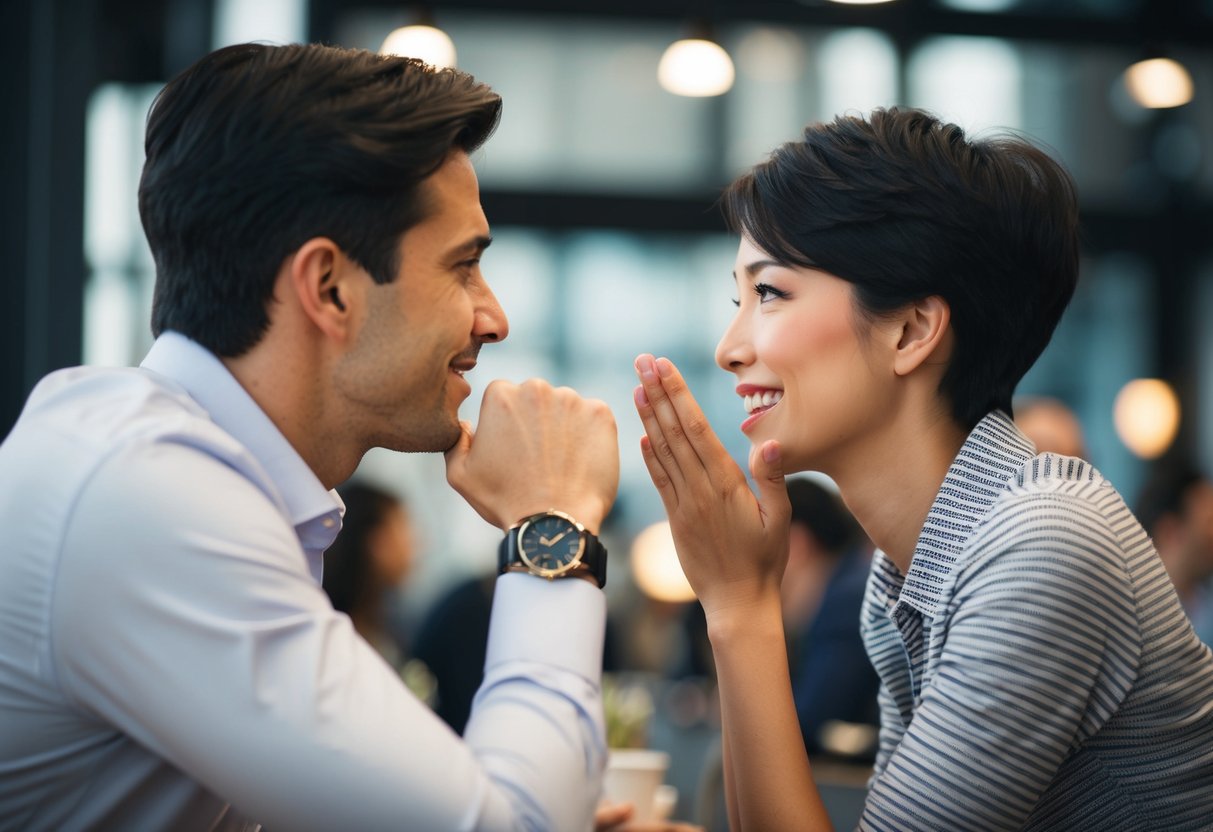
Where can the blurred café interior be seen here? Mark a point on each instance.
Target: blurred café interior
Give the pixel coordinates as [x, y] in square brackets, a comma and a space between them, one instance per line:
[622, 121]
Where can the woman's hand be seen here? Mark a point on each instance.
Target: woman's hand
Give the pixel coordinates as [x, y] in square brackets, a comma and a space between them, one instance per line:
[733, 547]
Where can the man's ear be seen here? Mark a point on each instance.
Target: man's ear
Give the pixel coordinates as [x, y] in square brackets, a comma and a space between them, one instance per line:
[320, 275]
[925, 335]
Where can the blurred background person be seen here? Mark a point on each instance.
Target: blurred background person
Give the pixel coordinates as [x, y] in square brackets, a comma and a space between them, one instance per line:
[452, 640]
[1051, 425]
[366, 566]
[1176, 509]
[823, 586]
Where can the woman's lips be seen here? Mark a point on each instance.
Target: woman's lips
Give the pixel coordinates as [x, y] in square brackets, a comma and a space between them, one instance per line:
[757, 401]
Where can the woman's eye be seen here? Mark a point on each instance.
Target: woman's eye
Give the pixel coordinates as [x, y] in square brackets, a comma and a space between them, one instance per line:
[766, 292]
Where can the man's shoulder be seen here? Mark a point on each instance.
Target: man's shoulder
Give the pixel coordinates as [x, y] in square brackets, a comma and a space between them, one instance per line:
[83, 419]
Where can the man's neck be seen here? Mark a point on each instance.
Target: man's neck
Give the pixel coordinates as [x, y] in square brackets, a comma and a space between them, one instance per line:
[288, 386]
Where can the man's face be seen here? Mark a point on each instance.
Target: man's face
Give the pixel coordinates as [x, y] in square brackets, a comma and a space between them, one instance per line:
[403, 376]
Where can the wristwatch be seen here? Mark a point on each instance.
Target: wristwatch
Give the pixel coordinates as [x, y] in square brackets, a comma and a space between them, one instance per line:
[552, 545]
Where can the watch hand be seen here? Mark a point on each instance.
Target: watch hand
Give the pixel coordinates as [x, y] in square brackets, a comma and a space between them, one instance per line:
[543, 541]
[555, 539]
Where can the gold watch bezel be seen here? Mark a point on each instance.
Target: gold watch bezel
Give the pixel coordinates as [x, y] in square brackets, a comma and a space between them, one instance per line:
[541, 571]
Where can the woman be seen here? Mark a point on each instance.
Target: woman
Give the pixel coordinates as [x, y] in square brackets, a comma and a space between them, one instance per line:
[368, 562]
[895, 281]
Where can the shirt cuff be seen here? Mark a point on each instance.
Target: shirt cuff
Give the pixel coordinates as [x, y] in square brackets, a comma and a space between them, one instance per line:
[560, 622]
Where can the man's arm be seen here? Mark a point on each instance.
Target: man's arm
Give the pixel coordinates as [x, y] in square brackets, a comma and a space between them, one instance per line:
[197, 630]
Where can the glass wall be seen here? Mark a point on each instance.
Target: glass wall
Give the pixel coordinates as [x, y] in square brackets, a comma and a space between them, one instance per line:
[584, 115]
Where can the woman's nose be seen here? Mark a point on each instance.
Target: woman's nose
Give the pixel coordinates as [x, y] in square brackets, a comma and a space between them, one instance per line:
[735, 349]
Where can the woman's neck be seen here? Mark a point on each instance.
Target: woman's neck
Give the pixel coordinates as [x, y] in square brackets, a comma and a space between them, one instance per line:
[891, 483]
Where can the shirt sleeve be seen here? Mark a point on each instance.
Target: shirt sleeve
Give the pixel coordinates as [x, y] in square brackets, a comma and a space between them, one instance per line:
[186, 618]
[1042, 646]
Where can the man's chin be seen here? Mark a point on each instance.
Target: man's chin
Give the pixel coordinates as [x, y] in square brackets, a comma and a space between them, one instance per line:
[437, 439]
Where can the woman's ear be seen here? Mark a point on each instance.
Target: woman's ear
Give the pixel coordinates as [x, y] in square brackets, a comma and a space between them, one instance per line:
[926, 335]
[320, 276]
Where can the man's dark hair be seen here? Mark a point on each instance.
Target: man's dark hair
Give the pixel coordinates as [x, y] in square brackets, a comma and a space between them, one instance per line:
[255, 149]
[903, 207]
[823, 513]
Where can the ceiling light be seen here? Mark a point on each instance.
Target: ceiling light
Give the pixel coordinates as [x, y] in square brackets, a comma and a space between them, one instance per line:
[1146, 415]
[696, 67]
[1159, 83]
[426, 43]
[655, 566]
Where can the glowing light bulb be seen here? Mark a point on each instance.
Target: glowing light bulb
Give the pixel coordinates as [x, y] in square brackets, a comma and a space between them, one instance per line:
[1146, 415]
[696, 68]
[1159, 83]
[426, 43]
[655, 566]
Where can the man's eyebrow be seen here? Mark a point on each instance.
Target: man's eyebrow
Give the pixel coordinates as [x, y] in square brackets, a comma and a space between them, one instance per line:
[476, 245]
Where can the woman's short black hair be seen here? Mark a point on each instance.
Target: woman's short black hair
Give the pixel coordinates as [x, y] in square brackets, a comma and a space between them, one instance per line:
[255, 149]
[904, 207]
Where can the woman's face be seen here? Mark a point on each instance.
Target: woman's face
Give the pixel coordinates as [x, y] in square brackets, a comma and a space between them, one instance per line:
[808, 369]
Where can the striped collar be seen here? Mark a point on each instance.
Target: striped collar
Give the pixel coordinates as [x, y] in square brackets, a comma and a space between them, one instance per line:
[992, 454]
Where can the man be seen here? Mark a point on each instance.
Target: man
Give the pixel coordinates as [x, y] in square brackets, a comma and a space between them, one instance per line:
[1176, 508]
[822, 592]
[1051, 425]
[166, 648]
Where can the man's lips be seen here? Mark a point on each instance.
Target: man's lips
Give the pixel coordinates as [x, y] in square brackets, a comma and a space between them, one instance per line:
[465, 362]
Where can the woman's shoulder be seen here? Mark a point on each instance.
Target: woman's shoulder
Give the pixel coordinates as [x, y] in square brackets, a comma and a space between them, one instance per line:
[1062, 506]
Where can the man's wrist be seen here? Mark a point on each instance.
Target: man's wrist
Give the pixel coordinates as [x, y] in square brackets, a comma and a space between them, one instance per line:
[588, 515]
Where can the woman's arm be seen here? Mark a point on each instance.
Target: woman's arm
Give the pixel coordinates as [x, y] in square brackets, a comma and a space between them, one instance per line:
[733, 549]
[772, 786]
[730, 784]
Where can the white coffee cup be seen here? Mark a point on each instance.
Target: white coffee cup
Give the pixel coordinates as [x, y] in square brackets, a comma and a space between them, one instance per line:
[635, 775]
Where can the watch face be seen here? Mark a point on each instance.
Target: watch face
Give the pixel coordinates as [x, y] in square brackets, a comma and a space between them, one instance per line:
[550, 544]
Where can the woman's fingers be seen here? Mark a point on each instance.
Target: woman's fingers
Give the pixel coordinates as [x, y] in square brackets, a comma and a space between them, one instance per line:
[665, 488]
[685, 428]
[657, 446]
[695, 427]
[673, 440]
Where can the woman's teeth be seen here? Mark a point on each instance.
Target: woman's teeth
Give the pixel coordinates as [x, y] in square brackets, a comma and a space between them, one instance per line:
[760, 401]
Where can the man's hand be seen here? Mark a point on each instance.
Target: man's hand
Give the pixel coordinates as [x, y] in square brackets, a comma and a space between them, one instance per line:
[537, 447]
[614, 817]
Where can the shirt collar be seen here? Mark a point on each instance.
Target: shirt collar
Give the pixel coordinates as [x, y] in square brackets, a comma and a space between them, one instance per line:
[994, 452]
[312, 508]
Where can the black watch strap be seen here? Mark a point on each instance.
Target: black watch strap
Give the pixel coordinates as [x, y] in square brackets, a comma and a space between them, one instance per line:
[593, 559]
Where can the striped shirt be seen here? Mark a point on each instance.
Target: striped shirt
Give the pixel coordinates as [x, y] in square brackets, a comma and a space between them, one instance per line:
[1037, 670]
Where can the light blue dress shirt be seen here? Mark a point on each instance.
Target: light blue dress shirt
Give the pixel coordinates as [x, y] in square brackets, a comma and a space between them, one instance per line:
[166, 648]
